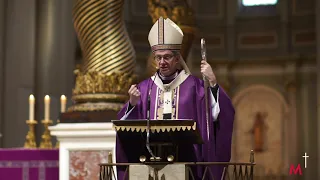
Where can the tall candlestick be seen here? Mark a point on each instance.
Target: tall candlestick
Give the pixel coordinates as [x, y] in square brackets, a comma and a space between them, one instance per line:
[46, 107]
[63, 101]
[31, 107]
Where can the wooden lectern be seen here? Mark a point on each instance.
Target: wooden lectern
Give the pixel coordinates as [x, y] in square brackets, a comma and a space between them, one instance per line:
[158, 143]
[158, 140]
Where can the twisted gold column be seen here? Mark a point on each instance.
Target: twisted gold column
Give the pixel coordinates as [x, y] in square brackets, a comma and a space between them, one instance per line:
[180, 13]
[103, 80]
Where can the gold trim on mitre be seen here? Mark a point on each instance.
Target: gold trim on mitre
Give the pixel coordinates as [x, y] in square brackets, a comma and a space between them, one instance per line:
[165, 34]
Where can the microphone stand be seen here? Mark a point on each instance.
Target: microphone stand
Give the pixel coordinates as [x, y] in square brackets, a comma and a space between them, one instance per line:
[148, 124]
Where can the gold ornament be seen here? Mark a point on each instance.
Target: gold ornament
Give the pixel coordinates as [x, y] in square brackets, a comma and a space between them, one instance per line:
[57, 143]
[30, 138]
[178, 11]
[46, 136]
[101, 106]
[110, 157]
[108, 56]
[97, 86]
[96, 91]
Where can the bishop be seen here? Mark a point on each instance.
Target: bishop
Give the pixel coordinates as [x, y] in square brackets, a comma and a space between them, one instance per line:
[175, 93]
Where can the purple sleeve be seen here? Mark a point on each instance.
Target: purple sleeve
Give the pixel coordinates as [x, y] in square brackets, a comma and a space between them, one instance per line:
[218, 147]
[224, 127]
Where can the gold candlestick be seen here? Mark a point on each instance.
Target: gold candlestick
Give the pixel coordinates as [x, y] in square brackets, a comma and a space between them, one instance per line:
[31, 138]
[57, 144]
[46, 136]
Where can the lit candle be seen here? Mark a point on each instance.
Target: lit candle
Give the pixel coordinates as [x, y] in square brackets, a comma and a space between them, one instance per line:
[31, 107]
[46, 107]
[63, 102]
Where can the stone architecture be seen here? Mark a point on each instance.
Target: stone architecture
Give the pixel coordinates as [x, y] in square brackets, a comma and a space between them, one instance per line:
[267, 58]
[83, 164]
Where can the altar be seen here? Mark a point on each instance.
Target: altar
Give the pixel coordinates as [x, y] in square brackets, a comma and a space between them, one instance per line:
[83, 146]
[29, 164]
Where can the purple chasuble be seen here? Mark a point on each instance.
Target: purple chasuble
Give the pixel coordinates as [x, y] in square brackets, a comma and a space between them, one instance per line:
[187, 103]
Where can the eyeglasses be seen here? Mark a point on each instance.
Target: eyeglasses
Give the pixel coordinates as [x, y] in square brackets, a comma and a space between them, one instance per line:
[166, 57]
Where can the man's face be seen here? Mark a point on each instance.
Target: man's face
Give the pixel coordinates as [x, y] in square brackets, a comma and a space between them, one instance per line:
[166, 61]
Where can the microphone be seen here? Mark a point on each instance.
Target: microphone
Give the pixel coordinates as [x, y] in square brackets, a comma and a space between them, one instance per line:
[148, 119]
[149, 94]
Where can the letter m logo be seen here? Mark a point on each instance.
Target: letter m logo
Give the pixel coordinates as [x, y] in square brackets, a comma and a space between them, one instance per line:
[295, 170]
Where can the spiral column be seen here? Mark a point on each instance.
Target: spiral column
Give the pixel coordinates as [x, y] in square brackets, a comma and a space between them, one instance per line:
[107, 70]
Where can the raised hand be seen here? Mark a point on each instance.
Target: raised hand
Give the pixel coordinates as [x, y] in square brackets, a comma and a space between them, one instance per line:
[207, 71]
[134, 94]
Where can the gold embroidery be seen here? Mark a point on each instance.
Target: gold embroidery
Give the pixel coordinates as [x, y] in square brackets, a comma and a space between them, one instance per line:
[161, 98]
[160, 113]
[174, 103]
[166, 88]
[161, 30]
[166, 47]
[160, 105]
[177, 102]
[173, 113]
[174, 84]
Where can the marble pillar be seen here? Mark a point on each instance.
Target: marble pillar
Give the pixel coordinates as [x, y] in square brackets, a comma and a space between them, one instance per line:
[312, 138]
[318, 76]
[291, 126]
[231, 33]
[18, 68]
[231, 46]
[223, 77]
[55, 56]
[306, 115]
[284, 26]
[2, 37]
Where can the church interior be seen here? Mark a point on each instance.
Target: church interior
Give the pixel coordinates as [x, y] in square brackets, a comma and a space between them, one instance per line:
[66, 67]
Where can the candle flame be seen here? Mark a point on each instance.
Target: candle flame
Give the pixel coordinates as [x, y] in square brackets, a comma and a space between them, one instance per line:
[47, 97]
[63, 97]
[31, 97]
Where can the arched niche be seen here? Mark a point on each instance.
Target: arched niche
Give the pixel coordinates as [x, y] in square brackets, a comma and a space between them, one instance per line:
[273, 109]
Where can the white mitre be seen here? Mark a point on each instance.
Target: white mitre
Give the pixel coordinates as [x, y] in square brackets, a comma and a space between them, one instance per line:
[166, 35]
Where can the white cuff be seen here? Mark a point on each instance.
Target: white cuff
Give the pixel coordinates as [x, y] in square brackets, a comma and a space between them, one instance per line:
[215, 108]
[125, 116]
